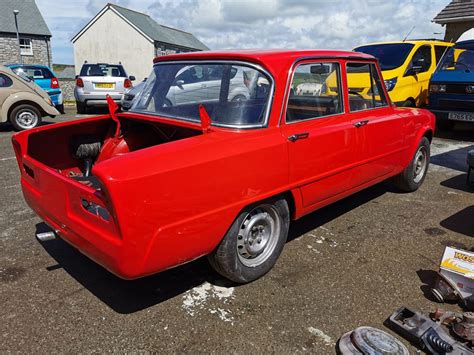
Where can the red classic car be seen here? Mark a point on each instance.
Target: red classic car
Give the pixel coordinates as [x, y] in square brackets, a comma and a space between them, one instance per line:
[192, 170]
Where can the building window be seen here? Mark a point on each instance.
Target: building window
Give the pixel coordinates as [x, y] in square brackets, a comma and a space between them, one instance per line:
[26, 46]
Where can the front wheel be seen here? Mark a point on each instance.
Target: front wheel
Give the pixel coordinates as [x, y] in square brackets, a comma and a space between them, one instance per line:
[253, 243]
[24, 117]
[413, 176]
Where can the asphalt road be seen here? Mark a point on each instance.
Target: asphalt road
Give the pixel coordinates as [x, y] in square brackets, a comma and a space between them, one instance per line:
[347, 265]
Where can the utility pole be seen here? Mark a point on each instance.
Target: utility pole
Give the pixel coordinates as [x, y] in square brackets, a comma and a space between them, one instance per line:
[16, 12]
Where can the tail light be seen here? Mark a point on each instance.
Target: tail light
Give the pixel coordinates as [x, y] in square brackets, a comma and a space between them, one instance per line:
[127, 84]
[79, 83]
[54, 83]
[18, 153]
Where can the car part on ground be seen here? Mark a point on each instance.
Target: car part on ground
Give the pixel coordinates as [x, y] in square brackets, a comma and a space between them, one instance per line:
[454, 281]
[370, 341]
[470, 168]
[22, 102]
[425, 333]
[97, 80]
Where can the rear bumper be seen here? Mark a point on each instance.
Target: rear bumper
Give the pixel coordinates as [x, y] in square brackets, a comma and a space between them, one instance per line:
[97, 99]
[443, 115]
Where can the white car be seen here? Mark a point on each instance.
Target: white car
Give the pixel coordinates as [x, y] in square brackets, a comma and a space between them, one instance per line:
[96, 81]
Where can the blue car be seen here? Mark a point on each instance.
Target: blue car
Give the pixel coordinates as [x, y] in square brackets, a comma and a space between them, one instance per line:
[45, 78]
[451, 90]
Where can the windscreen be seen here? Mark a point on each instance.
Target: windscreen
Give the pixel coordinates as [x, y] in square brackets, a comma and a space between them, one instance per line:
[390, 55]
[234, 95]
[102, 70]
[458, 58]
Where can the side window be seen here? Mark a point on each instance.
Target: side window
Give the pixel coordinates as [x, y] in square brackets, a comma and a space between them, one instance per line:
[439, 52]
[422, 57]
[315, 92]
[365, 87]
[191, 75]
[5, 81]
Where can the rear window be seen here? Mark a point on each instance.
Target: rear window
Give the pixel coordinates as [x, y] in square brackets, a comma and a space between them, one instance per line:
[34, 73]
[102, 70]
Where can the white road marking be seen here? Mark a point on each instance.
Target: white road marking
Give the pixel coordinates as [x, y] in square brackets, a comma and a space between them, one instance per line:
[9, 158]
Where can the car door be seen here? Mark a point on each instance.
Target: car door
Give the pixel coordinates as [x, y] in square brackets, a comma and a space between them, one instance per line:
[419, 72]
[321, 139]
[379, 128]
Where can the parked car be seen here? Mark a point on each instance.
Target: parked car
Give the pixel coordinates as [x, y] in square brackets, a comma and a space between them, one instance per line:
[407, 67]
[199, 85]
[96, 81]
[130, 94]
[46, 80]
[22, 102]
[222, 178]
[452, 86]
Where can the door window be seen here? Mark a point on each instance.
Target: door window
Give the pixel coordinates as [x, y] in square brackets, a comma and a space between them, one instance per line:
[315, 92]
[365, 87]
[422, 57]
[5, 81]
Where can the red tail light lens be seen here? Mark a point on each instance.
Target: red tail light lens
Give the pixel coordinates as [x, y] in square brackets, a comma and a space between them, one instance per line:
[54, 83]
[79, 83]
[127, 84]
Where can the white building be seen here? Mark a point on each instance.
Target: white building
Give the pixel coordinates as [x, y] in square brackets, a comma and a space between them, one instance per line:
[117, 34]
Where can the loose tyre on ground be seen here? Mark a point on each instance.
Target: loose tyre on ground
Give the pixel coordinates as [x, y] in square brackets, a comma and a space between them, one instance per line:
[254, 242]
[25, 116]
[413, 176]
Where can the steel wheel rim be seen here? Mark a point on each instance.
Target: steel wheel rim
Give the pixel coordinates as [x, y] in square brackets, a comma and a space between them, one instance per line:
[258, 235]
[420, 164]
[27, 119]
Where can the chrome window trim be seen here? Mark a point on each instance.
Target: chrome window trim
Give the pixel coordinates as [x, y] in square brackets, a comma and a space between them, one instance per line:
[233, 62]
[340, 93]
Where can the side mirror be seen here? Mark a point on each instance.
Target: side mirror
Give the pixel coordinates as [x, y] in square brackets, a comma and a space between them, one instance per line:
[132, 78]
[179, 83]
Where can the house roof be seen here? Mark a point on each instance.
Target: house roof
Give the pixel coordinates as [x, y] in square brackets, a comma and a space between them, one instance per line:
[456, 11]
[151, 29]
[30, 20]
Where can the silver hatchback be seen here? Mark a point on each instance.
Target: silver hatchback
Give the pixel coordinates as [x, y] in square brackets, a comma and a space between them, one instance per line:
[96, 81]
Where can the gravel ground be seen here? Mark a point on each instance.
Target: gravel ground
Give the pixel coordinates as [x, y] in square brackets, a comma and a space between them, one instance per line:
[350, 264]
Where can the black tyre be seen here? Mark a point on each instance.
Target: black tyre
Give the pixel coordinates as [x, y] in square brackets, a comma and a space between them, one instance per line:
[239, 98]
[24, 117]
[60, 108]
[444, 125]
[408, 103]
[414, 175]
[81, 107]
[254, 242]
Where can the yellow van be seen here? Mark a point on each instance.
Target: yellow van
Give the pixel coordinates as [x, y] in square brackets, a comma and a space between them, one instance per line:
[407, 67]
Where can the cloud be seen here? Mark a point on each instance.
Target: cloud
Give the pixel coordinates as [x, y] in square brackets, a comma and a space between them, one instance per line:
[224, 24]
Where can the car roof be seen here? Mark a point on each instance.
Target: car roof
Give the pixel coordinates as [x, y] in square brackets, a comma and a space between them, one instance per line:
[27, 66]
[410, 41]
[272, 59]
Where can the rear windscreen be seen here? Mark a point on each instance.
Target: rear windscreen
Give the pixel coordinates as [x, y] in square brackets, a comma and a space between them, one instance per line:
[102, 70]
[34, 73]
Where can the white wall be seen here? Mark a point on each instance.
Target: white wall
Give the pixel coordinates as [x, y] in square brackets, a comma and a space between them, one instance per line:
[111, 40]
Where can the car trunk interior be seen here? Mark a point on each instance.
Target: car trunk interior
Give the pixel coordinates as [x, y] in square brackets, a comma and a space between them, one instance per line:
[72, 150]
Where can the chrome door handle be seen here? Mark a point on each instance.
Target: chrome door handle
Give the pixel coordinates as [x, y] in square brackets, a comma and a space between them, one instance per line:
[295, 137]
[361, 123]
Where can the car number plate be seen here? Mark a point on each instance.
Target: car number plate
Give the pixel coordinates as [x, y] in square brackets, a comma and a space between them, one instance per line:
[105, 85]
[461, 116]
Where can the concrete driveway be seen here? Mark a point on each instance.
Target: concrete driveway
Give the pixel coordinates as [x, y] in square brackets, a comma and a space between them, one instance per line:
[350, 264]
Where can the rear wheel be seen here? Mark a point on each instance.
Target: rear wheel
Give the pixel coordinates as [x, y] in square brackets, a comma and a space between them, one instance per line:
[414, 175]
[60, 108]
[81, 107]
[239, 98]
[253, 243]
[25, 117]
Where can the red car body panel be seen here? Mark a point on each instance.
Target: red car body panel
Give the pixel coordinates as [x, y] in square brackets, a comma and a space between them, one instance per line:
[172, 203]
